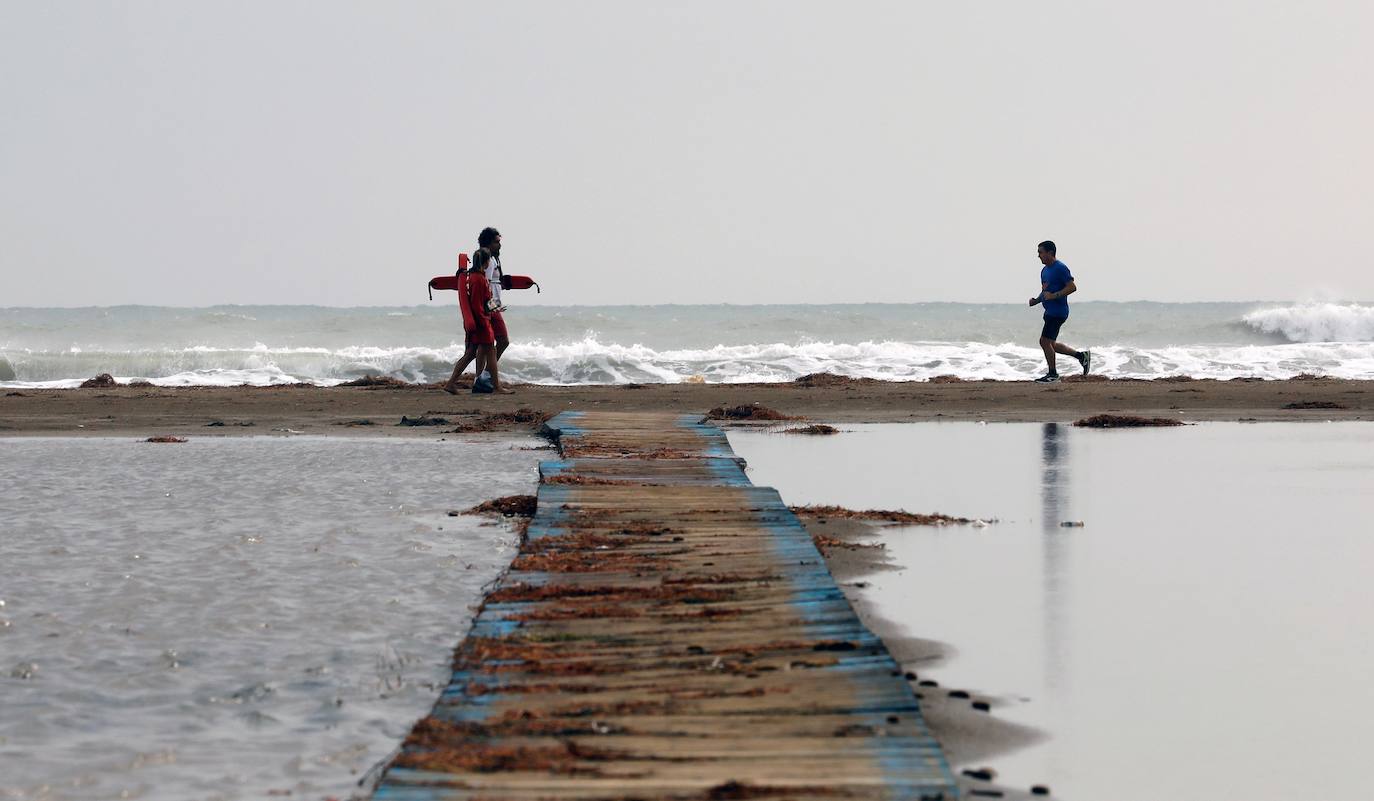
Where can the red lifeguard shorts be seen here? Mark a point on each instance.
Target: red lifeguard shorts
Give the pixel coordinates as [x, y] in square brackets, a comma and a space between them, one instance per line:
[480, 335]
[498, 326]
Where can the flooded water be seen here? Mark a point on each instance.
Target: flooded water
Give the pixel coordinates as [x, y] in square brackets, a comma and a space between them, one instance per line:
[233, 618]
[1207, 633]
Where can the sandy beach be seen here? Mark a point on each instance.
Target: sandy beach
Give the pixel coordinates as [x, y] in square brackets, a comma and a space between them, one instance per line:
[183, 411]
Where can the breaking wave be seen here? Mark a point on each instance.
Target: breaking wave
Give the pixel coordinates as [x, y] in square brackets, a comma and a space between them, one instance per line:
[590, 361]
[1316, 322]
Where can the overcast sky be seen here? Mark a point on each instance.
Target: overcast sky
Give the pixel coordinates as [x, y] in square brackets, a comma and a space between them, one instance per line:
[341, 153]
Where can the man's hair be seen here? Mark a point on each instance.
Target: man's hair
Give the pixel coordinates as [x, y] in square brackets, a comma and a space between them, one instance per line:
[1048, 247]
[487, 236]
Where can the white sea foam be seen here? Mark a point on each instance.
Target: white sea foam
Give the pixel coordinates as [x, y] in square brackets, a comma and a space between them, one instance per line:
[591, 361]
[1316, 322]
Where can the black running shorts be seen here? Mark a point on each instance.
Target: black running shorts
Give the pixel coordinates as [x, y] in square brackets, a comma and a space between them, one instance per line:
[1051, 329]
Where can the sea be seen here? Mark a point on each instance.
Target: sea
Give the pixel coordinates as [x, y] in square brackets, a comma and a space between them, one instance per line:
[570, 345]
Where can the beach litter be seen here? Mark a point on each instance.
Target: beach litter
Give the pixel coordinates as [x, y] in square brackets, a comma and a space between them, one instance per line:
[1317, 404]
[1125, 421]
[1071, 524]
[102, 381]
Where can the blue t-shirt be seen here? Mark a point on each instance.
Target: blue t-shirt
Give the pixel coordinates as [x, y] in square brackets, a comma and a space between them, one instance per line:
[1055, 277]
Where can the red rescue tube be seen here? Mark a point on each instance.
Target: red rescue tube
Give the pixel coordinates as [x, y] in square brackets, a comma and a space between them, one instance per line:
[448, 281]
[519, 282]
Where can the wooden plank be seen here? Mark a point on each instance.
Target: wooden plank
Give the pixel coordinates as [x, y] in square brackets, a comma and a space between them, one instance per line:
[667, 631]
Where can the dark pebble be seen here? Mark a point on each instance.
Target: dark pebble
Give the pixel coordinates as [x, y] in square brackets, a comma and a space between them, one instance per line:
[893, 719]
[909, 675]
[982, 706]
[958, 694]
[1040, 789]
[981, 774]
[929, 683]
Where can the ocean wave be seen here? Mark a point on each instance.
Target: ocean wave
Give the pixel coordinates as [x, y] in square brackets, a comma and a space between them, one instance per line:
[1316, 322]
[590, 361]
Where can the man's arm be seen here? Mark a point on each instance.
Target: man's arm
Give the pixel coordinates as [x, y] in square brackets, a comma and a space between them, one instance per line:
[1068, 289]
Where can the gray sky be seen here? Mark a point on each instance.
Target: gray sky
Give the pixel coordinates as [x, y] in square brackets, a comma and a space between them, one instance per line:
[341, 153]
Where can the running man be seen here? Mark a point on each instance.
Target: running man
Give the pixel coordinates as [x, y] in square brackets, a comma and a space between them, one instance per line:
[1056, 284]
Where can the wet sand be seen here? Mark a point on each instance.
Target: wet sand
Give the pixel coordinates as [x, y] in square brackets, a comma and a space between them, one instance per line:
[150, 411]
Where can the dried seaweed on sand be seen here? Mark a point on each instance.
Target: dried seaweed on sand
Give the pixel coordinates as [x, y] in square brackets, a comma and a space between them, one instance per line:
[746, 411]
[510, 506]
[1125, 421]
[1313, 404]
[879, 515]
[815, 429]
[375, 381]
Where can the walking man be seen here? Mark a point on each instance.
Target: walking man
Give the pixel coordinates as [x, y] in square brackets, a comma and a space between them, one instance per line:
[490, 239]
[1056, 284]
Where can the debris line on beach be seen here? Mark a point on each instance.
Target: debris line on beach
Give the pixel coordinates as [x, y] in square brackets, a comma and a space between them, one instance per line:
[815, 429]
[422, 420]
[501, 421]
[509, 506]
[375, 381]
[102, 381]
[1125, 421]
[1313, 404]
[165, 439]
[880, 515]
[746, 411]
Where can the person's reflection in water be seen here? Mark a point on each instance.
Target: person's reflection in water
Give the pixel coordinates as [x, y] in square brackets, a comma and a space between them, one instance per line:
[1055, 544]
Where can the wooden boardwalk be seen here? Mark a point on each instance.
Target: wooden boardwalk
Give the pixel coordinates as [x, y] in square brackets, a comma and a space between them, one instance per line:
[669, 631]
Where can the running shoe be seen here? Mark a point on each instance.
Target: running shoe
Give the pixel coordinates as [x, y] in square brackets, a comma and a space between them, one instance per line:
[1048, 378]
[1085, 358]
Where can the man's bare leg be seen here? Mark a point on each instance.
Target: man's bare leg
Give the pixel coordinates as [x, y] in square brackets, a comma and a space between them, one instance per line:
[494, 368]
[1048, 346]
[1059, 347]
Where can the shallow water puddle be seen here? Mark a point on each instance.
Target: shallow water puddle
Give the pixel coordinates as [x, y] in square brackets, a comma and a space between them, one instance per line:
[233, 618]
[1205, 633]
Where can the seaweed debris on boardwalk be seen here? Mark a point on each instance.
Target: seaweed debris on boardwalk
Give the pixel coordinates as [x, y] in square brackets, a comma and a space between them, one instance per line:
[1126, 421]
[660, 639]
